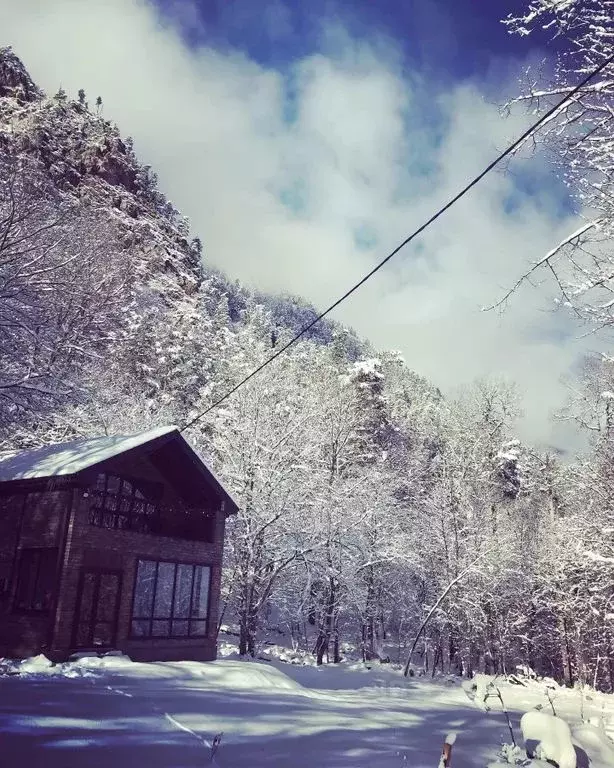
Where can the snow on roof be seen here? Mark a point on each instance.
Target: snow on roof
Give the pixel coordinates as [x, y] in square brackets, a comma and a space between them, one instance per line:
[72, 457]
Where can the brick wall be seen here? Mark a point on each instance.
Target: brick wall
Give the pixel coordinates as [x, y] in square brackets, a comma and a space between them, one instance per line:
[90, 547]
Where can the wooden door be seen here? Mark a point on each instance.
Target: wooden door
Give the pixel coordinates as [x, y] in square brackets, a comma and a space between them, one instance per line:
[97, 608]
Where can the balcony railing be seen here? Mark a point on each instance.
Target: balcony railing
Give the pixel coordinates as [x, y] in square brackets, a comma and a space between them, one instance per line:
[144, 517]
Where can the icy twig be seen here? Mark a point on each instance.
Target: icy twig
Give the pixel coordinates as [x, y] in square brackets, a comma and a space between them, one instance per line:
[505, 712]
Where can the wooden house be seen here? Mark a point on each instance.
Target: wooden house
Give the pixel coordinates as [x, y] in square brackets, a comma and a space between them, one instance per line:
[111, 543]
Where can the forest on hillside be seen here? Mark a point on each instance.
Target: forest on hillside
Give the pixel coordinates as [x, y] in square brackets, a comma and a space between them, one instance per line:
[374, 512]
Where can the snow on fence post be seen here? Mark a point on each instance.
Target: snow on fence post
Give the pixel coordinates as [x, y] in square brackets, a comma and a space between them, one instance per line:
[445, 760]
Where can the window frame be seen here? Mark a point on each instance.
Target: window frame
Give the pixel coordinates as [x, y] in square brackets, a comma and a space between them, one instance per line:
[40, 553]
[150, 498]
[171, 617]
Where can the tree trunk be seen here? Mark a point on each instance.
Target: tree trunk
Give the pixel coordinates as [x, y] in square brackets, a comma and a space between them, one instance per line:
[336, 654]
[368, 628]
[566, 655]
[325, 628]
[453, 652]
[243, 636]
[321, 646]
[436, 659]
[248, 624]
[610, 662]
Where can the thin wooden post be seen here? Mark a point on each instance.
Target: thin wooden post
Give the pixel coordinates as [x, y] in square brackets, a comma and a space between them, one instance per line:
[215, 746]
[446, 756]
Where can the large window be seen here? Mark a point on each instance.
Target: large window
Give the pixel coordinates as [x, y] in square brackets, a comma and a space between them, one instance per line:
[133, 505]
[118, 503]
[170, 600]
[36, 579]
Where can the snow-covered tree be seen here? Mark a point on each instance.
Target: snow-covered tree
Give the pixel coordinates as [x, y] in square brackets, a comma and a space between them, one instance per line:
[263, 443]
[579, 140]
[376, 515]
[62, 286]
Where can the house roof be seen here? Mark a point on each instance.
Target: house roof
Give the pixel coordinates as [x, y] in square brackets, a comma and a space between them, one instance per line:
[64, 459]
[72, 457]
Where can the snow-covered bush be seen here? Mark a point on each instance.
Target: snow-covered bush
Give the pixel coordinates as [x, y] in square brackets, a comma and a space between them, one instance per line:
[548, 737]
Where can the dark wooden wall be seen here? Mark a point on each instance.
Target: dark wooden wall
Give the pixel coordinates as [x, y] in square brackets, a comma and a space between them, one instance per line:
[34, 519]
[60, 518]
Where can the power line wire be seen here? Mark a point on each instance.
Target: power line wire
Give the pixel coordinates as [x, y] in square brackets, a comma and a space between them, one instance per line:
[405, 242]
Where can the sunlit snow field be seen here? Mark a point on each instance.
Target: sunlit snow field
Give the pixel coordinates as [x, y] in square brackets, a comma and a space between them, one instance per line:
[112, 712]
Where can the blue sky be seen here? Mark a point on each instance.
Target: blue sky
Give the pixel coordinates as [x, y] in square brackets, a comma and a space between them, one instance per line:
[436, 44]
[443, 39]
[306, 139]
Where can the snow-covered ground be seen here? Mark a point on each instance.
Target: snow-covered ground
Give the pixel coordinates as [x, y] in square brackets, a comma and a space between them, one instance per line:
[112, 712]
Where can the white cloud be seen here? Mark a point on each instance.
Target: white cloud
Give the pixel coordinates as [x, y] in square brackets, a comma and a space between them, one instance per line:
[212, 125]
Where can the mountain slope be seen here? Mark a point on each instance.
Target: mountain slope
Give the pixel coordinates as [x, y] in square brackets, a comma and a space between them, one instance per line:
[75, 160]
